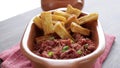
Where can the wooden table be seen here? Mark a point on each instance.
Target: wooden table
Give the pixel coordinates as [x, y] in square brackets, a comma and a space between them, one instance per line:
[11, 30]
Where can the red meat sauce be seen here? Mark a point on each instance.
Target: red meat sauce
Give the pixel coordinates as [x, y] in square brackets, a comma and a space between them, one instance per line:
[57, 48]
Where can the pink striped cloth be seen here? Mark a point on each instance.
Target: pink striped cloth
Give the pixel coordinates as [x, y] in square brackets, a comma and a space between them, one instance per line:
[13, 58]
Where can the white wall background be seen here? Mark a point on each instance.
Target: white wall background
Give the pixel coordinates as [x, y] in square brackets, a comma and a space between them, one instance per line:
[10, 8]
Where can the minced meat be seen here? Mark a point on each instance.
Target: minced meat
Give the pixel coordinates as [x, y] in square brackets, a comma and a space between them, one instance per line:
[65, 48]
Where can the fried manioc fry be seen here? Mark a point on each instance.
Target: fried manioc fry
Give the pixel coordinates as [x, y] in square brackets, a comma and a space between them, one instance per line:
[38, 22]
[61, 31]
[88, 18]
[72, 18]
[47, 25]
[61, 13]
[72, 10]
[79, 29]
[54, 22]
[58, 18]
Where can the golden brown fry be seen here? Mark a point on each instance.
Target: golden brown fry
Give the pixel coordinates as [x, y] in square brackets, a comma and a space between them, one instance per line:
[61, 13]
[78, 29]
[61, 31]
[38, 22]
[72, 10]
[72, 18]
[88, 18]
[54, 22]
[47, 22]
[58, 18]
